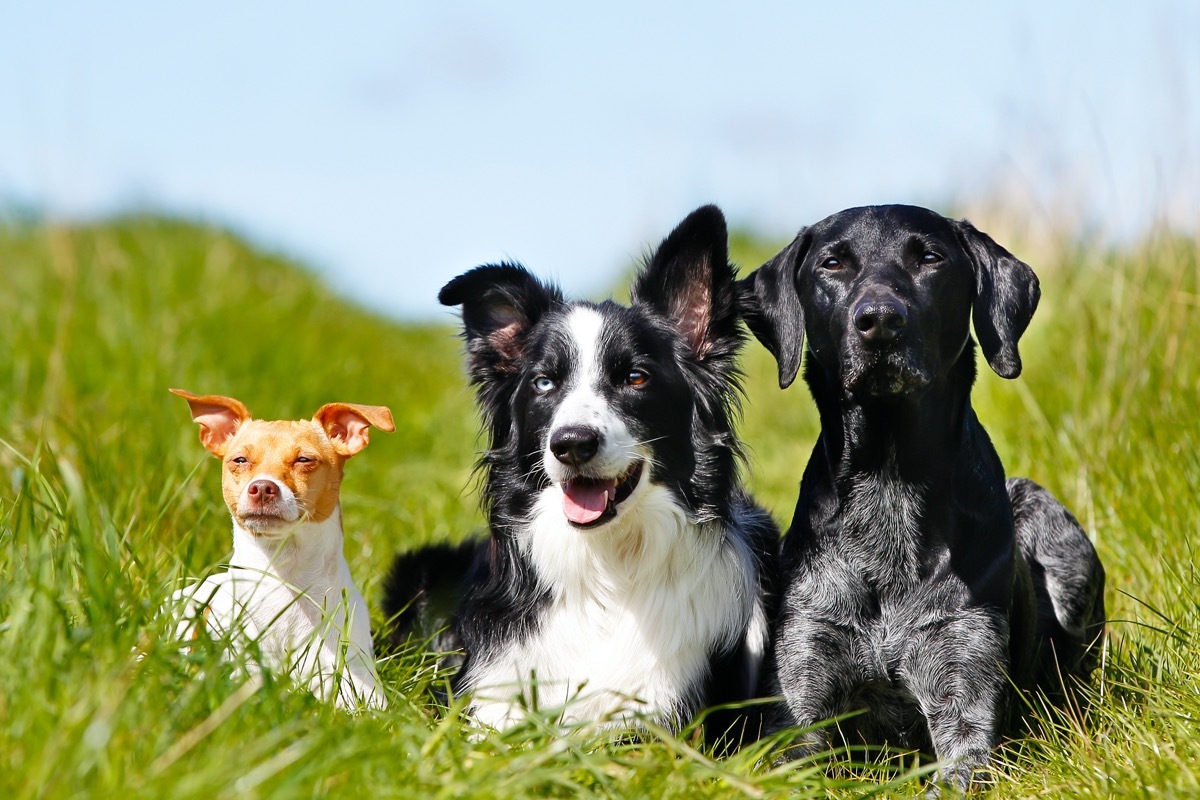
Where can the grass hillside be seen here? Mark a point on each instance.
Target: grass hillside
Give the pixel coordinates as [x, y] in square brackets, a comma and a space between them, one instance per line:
[108, 501]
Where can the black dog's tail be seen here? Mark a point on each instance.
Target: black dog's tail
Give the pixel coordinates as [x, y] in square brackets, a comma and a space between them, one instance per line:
[422, 590]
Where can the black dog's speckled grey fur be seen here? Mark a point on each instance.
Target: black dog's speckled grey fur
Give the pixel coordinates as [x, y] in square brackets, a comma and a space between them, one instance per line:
[918, 583]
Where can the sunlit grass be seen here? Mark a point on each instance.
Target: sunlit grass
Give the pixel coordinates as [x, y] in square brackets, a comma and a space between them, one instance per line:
[108, 501]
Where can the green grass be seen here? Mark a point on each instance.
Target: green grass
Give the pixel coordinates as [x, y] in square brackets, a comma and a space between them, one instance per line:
[108, 501]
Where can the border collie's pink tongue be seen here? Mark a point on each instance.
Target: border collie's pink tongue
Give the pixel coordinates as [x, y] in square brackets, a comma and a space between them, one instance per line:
[585, 500]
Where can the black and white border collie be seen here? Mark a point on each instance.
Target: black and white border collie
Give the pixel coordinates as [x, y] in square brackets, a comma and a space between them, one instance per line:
[626, 573]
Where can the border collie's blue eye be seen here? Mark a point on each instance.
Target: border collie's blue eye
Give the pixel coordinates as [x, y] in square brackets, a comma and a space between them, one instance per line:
[831, 263]
[542, 384]
[637, 378]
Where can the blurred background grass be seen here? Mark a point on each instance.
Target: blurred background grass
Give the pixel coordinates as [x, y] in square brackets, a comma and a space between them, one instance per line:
[107, 502]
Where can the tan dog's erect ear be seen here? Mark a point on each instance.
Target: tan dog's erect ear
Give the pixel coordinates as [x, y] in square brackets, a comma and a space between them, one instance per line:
[219, 418]
[348, 425]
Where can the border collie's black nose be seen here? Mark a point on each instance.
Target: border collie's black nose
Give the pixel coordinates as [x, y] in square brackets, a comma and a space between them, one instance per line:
[880, 319]
[575, 444]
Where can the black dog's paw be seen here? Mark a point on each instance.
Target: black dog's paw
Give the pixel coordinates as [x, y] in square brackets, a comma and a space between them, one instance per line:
[966, 773]
[806, 745]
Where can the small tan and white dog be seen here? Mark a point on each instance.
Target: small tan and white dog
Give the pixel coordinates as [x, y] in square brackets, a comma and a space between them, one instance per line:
[287, 587]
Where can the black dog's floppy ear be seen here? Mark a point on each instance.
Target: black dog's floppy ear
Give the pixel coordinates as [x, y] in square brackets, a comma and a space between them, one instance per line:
[500, 303]
[689, 281]
[771, 307]
[1006, 295]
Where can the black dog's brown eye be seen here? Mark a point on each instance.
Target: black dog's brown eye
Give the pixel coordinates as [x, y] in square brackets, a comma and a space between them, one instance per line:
[931, 257]
[637, 378]
[831, 263]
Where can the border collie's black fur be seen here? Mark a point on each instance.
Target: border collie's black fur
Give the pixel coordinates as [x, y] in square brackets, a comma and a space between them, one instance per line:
[625, 568]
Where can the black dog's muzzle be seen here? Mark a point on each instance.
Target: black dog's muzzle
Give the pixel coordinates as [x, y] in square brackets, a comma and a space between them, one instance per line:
[880, 359]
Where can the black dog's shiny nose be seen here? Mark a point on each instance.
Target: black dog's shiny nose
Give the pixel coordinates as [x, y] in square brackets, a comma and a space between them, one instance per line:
[880, 320]
[575, 444]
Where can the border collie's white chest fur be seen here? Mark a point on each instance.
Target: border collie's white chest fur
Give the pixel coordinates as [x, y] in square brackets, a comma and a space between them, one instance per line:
[636, 611]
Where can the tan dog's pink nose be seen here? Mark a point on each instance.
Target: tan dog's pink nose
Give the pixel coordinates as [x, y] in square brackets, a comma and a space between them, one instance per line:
[262, 491]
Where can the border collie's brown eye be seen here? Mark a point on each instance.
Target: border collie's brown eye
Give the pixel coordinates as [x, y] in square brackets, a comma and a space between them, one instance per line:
[637, 378]
[831, 263]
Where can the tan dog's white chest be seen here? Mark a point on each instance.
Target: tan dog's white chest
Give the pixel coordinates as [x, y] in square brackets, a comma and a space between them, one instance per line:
[319, 635]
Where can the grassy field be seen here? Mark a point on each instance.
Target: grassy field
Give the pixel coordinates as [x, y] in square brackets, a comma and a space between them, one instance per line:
[107, 502]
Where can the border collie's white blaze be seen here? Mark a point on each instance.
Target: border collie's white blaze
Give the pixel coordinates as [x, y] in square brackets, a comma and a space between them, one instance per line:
[626, 572]
[591, 493]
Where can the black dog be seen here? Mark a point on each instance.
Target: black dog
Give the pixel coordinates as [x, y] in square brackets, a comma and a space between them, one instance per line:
[626, 571]
[918, 584]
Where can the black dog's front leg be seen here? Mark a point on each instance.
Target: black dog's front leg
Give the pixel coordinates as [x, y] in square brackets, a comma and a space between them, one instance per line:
[956, 669]
[816, 675]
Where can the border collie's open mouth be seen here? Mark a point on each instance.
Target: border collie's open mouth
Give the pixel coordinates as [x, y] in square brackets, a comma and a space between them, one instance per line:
[589, 502]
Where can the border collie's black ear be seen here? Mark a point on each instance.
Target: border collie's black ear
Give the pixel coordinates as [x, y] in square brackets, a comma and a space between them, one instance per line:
[771, 307]
[1006, 295]
[501, 303]
[689, 281]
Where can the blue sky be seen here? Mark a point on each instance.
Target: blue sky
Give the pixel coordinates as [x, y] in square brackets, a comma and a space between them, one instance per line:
[394, 145]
